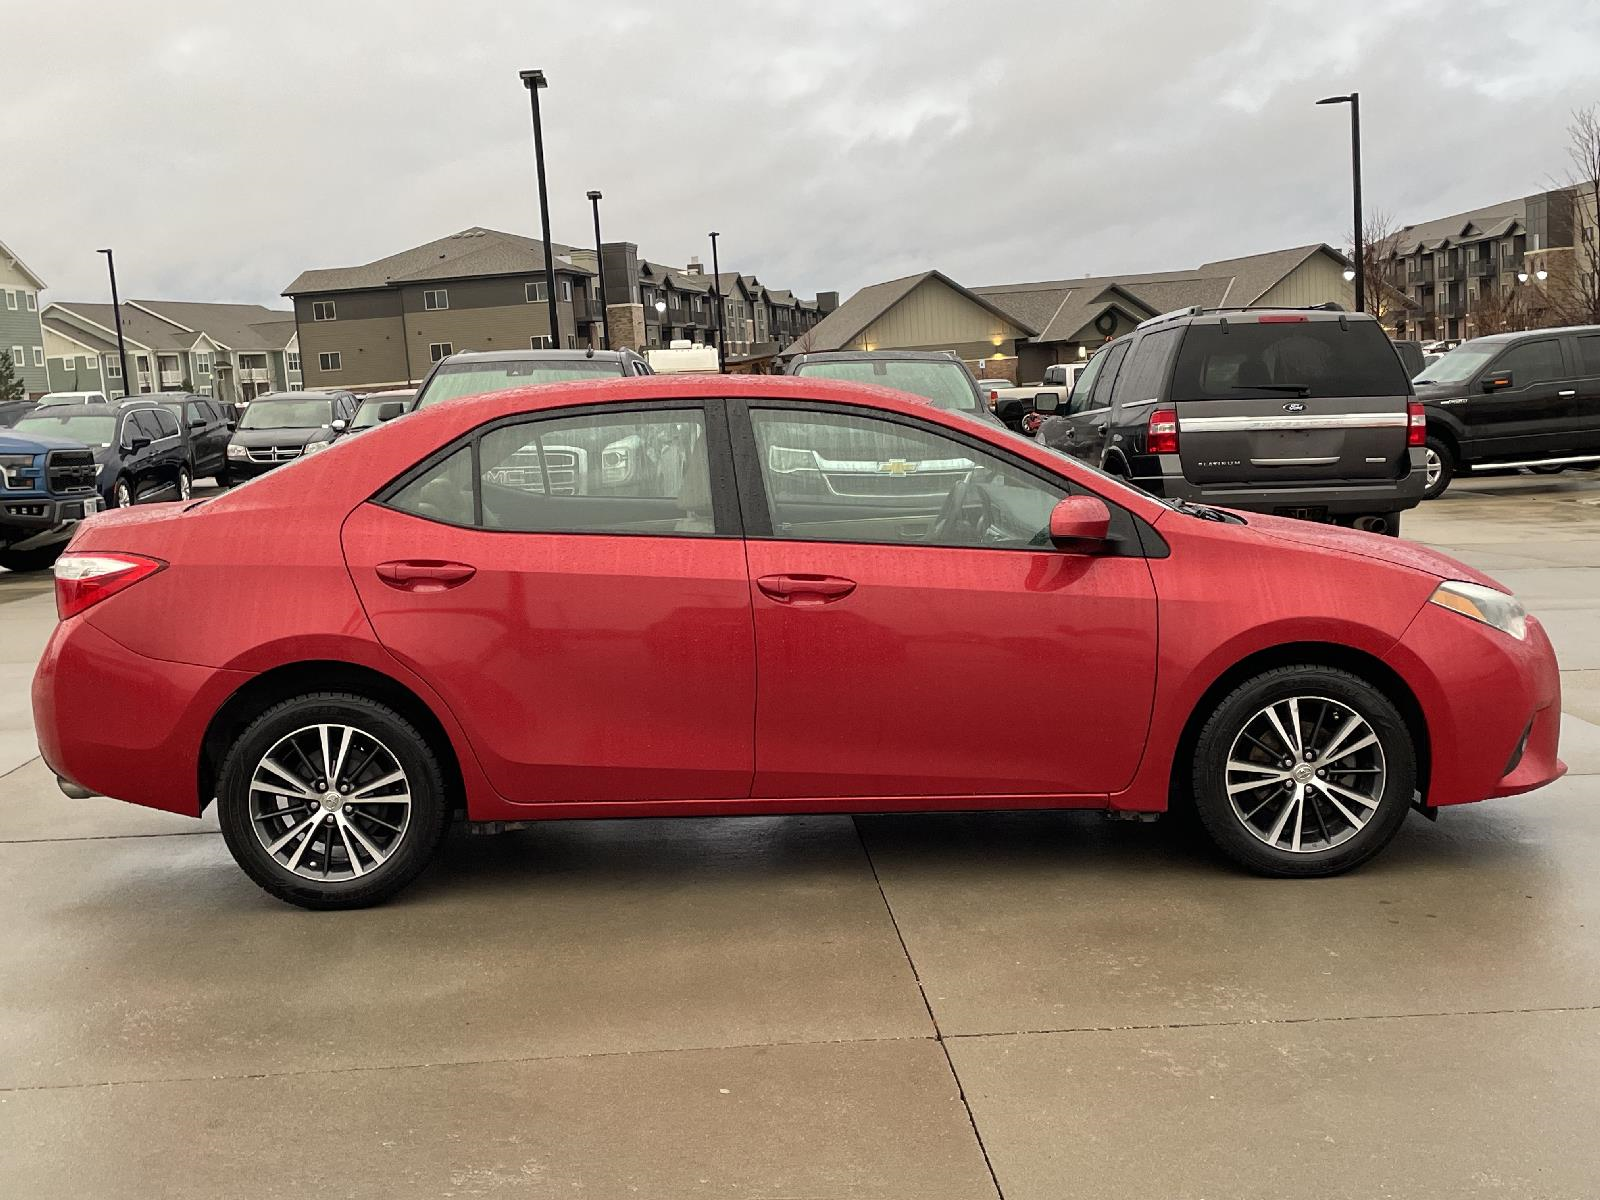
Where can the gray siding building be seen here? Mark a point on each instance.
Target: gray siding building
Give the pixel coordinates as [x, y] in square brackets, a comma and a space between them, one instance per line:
[21, 335]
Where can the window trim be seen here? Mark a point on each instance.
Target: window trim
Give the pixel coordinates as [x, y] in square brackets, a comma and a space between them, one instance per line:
[30, 301]
[328, 309]
[322, 361]
[530, 294]
[1135, 539]
[439, 351]
[725, 506]
[429, 304]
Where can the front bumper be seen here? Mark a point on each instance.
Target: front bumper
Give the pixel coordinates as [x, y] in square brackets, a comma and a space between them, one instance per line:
[1492, 705]
[27, 522]
[244, 468]
[1162, 475]
[118, 724]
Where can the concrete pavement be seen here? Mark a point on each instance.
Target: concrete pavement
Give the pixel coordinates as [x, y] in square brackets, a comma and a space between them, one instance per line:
[1029, 1005]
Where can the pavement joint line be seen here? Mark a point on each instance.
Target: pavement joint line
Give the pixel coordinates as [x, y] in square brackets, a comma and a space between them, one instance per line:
[27, 762]
[938, 1035]
[110, 837]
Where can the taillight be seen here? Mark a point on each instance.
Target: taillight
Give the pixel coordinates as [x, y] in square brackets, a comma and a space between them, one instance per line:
[1416, 424]
[1161, 434]
[85, 579]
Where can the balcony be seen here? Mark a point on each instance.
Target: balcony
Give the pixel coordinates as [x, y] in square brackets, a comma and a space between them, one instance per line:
[1419, 275]
[171, 379]
[1484, 267]
[254, 375]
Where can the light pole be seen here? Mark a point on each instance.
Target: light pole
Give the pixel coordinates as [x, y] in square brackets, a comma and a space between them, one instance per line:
[605, 309]
[722, 331]
[1354, 101]
[534, 81]
[116, 310]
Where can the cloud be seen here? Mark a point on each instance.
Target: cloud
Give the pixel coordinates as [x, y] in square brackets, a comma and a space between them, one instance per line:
[224, 148]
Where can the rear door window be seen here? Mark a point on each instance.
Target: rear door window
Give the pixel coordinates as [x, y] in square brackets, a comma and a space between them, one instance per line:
[165, 424]
[1295, 358]
[1589, 354]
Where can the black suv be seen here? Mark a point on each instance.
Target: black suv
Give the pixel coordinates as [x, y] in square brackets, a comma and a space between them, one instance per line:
[475, 372]
[1300, 412]
[138, 449]
[281, 426]
[206, 424]
[937, 377]
[1528, 399]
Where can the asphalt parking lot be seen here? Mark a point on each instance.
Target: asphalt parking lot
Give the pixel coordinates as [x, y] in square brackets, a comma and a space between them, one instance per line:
[1026, 1005]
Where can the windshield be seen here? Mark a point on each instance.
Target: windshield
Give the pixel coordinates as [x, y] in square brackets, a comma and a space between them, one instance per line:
[287, 414]
[1287, 358]
[478, 378]
[945, 383]
[91, 430]
[1460, 364]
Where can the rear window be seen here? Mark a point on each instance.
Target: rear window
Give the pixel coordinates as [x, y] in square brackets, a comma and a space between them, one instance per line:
[946, 384]
[1297, 359]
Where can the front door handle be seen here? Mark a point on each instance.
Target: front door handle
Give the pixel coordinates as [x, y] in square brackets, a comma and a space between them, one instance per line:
[805, 589]
[1568, 392]
[424, 574]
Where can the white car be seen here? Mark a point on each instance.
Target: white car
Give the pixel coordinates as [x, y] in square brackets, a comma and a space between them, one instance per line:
[50, 399]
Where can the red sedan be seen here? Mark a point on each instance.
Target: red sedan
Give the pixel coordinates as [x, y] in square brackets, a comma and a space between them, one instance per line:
[744, 595]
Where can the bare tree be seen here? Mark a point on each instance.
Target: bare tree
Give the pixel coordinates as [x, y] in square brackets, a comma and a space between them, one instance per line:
[1386, 299]
[1571, 294]
[1499, 310]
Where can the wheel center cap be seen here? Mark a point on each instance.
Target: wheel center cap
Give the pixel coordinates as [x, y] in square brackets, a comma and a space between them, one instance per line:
[1303, 773]
[332, 801]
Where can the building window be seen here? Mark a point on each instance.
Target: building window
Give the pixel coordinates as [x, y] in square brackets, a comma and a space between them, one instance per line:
[32, 301]
[539, 341]
[38, 356]
[438, 350]
[113, 368]
[435, 299]
[19, 359]
[294, 360]
[11, 298]
[297, 387]
[566, 290]
[330, 360]
[323, 310]
[533, 292]
[572, 341]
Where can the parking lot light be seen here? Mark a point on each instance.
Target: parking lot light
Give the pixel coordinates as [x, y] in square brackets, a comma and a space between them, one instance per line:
[1354, 101]
[535, 81]
[116, 311]
[605, 311]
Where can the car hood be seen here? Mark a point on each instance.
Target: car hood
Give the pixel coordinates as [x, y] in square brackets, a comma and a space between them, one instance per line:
[280, 437]
[1392, 550]
[32, 443]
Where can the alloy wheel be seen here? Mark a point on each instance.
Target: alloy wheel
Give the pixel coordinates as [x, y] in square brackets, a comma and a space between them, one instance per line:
[122, 494]
[1433, 467]
[185, 485]
[1305, 774]
[330, 802]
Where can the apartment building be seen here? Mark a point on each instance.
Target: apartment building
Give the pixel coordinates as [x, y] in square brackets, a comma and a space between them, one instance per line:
[21, 335]
[1456, 270]
[234, 352]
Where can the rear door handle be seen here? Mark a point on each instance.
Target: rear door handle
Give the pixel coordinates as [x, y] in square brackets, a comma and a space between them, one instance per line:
[424, 574]
[1568, 392]
[805, 589]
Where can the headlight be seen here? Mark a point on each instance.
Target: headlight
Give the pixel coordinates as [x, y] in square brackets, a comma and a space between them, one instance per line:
[319, 444]
[1484, 604]
[785, 459]
[11, 468]
[237, 451]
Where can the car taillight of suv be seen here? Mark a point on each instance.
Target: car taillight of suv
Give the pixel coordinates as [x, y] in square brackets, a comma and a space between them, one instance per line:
[1161, 432]
[1416, 424]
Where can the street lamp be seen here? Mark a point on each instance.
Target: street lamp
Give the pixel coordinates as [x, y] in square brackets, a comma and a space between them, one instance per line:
[605, 309]
[1354, 101]
[116, 309]
[661, 321]
[722, 332]
[1349, 274]
[534, 81]
[1541, 275]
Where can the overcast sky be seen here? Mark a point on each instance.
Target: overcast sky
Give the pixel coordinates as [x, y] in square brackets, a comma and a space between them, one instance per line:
[222, 148]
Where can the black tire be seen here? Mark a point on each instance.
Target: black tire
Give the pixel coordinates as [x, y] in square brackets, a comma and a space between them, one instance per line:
[122, 494]
[1394, 524]
[185, 483]
[41, 559]
[1439, 448]
[1346, 693]
[1544, 469]
[429, 810]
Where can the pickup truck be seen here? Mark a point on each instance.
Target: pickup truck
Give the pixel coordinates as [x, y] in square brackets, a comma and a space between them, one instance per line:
[46, 486]
[1012, 405]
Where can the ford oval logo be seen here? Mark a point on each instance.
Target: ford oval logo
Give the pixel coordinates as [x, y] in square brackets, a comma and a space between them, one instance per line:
[1294, 406]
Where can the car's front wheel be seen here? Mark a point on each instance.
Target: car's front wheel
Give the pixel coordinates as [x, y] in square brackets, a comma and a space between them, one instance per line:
[185, 483]
[1303, 770]
[332, 801]
[121, 494]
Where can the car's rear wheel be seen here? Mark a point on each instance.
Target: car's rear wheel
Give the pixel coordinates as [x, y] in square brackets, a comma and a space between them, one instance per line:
[1439, 468]
[1303, 770]
[332, 801]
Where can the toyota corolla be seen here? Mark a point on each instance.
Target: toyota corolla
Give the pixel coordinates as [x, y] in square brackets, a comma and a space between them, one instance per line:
[741, 595]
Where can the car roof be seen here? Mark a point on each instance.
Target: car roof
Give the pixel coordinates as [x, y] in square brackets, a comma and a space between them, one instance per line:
[80, 410]
[552, 355]
[880, 355]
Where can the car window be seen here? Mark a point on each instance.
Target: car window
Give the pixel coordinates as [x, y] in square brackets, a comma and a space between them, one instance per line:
[1079, 400]
[945, 382]
[92, 430]
[1589, 354]
[163, 422]
[1148, 366]
[1286, 357]
[477, 377]
[837, 477]
[133, 426]
[1532, 362]
[629, 472]
[1100, 394]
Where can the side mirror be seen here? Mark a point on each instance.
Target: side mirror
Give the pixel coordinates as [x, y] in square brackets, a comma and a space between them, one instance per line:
[1497, 381]
[138, 442]
[390, 409]
[1046, 403]
[1080, 524]
[339, 425]
[197, 422]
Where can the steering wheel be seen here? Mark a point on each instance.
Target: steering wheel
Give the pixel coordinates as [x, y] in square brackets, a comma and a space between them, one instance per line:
[953, 522]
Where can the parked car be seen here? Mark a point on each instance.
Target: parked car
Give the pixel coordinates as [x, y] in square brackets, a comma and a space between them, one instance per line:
[476, 372]
[12, 411]
[1016, 406]
[1412, 356]
[207, 426]
[379, 407]
[51, 399]
[1299, 412]
[1529, 399]
[279, 427]
[138, 448]
[939, 378]
[46, 487]
[701, 625]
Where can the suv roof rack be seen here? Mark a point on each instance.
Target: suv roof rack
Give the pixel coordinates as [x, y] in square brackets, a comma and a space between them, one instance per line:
[1195, 310]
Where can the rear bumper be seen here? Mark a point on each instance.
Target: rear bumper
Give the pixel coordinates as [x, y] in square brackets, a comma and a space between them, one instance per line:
[119, 724]
[1162, 475]
[1492, 705]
